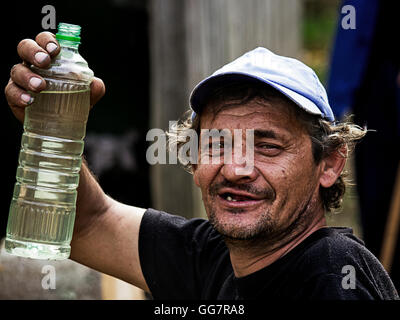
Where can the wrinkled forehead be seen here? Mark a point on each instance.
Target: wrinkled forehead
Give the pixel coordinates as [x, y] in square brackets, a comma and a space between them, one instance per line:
[255, 114]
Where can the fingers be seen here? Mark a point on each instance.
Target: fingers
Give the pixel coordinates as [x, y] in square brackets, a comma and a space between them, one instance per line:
[17, 99]
[16, 96]
[97, 90]
[22, 79]
[39, 52]
[26, 79]
[48, 41]
[31, 52]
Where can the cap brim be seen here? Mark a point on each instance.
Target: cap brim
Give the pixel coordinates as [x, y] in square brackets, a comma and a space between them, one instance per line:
[207, 87]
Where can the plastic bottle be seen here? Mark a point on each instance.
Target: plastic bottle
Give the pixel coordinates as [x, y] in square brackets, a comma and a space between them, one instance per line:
[42, 210]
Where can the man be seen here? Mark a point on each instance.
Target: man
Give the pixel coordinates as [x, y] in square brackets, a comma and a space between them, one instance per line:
[266, 237]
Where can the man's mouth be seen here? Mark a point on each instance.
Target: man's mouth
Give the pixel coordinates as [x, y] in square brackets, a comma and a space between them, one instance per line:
[238, 198]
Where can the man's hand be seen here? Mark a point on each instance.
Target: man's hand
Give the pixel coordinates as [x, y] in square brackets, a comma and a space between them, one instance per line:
[22, 79]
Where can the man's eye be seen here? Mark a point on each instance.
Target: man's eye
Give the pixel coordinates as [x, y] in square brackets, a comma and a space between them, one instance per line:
[269, 149]
[268, 146]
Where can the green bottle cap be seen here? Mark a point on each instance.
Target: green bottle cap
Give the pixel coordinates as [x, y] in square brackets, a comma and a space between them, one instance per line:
[70, 32]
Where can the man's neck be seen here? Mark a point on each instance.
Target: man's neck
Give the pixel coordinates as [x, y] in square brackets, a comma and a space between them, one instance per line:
[245, 262]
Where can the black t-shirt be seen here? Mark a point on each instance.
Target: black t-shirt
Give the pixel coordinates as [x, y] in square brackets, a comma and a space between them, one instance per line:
[188, 259]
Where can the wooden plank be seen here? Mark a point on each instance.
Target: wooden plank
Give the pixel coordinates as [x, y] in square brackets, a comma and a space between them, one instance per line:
[170, 185]
[391, 233]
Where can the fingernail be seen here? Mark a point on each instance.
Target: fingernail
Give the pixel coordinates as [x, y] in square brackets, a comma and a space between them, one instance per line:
[26, 98]
[51, 47]
[35, 82]
[40, 56]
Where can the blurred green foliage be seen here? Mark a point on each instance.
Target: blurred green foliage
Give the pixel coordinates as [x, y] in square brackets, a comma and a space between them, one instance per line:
[320, 18]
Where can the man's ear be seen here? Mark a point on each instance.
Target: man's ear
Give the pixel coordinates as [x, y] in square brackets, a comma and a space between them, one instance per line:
[332, 166]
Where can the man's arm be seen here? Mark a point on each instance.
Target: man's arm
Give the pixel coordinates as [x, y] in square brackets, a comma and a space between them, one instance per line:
[106, 232]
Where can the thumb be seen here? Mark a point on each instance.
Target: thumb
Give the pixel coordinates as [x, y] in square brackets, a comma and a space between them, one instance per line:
[97, 90]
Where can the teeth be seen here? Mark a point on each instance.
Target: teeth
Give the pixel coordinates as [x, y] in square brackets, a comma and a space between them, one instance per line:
[229, 198]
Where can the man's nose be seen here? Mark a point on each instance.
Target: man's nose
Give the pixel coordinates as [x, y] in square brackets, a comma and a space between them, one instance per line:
[241, 168]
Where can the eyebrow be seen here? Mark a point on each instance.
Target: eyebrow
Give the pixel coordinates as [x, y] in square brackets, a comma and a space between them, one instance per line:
[270, 134]
[265, 134]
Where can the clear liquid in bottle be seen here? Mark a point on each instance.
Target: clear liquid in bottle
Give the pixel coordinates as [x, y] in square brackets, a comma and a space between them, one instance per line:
[42, 210]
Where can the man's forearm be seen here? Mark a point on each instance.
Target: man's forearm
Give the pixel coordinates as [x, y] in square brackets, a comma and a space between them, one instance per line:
[106, 233]
[91, 202]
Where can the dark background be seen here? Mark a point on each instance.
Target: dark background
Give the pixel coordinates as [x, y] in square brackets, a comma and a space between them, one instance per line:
[114, 42]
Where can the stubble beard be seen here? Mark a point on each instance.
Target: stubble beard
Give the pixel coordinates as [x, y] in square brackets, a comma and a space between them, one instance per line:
[265, 233]
[251, 236]
[263, 227]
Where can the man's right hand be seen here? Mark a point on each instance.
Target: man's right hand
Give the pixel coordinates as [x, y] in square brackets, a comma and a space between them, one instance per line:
[22, 79]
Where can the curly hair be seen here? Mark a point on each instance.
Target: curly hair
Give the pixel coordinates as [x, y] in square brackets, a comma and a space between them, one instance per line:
[326, 137]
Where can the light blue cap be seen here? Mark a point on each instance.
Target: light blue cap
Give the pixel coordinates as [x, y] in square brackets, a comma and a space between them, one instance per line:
[291, 77]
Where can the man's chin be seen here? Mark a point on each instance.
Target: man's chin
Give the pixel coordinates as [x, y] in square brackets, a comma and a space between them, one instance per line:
[241, 225]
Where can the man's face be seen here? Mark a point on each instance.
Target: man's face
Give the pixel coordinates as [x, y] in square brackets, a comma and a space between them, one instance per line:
[280, 193]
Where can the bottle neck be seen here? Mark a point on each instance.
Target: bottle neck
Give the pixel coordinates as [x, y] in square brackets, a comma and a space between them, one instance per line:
[74, 45]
